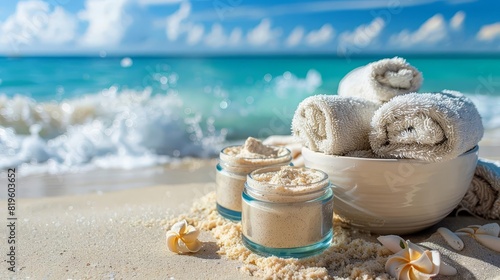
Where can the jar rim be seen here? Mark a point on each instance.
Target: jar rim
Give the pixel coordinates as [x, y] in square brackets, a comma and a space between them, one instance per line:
[286, 156]
[303, 189]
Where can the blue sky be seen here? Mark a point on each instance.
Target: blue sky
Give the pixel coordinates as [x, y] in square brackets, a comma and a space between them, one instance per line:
[96, 27]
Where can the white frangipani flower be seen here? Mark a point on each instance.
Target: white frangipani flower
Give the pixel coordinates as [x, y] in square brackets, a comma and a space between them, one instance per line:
[183, 238]
[414, 263]
[417, 258]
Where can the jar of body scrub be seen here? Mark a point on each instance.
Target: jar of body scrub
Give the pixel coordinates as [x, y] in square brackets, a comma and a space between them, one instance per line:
[235, 163]
[287, 212]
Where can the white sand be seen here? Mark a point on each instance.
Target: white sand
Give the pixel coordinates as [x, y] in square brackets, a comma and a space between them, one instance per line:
[121, 235]
[116, 235]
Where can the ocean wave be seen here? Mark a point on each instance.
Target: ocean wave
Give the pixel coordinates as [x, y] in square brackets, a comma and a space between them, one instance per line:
[127, 129]
[487, 105]
[288, 83]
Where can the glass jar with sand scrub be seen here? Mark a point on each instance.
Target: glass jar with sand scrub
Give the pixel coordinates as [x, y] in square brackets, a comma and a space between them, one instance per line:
[235, 163]
[287, 211]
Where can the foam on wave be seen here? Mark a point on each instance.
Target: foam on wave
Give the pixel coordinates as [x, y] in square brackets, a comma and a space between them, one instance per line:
[129, 129]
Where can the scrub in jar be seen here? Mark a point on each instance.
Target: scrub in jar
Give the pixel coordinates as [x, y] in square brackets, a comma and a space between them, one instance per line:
[287, 211]
[235, 163]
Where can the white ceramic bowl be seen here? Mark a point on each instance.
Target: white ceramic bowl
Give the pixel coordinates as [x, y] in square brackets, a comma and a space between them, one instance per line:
[394, 196]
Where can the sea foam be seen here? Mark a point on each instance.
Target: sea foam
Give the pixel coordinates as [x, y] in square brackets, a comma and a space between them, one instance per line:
[127, 129]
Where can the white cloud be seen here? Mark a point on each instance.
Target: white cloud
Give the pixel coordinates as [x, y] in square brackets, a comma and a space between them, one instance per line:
[33, 21]
[295, 36]
[218, 38]
[457, 20]
[489, 32]
[320, 36]
[194, 34]
[177, 25]
[430, 32]
[263, 34]
[61, 27]
[235, 36]
[107, 22]
[364, 34]
[174, 21]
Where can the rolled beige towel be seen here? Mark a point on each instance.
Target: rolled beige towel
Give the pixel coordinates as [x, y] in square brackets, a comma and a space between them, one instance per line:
[332, 124]
[428, 126]
[381, 80]
[483, 196]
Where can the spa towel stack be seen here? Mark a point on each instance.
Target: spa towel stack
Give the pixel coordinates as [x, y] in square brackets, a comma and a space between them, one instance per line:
[332, 124]
[378, 114]
[483, 196]
[381, 80]
[426, 126]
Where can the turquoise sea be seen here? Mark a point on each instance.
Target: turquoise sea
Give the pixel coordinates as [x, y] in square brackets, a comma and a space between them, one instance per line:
[69, 114]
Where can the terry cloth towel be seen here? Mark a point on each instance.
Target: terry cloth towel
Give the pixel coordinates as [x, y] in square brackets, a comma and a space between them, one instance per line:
[428, 126]
[483, 196]
[332, 124]
[381, 80]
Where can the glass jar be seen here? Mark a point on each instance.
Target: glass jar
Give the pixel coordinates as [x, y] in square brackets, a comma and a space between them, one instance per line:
[287, 220]
[231, 176]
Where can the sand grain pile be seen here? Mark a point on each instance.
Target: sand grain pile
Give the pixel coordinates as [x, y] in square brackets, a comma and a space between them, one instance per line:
[346, 258]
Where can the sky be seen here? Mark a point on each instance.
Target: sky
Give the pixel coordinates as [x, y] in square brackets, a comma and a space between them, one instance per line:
[170, 27]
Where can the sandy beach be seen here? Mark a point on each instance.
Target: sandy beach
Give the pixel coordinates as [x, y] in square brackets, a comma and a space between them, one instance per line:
[116, 230]
[129, 130]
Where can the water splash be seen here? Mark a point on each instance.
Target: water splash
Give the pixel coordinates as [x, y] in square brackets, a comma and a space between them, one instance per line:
[127, 129]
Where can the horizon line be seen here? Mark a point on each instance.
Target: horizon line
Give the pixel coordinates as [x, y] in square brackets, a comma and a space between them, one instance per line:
[264, 55]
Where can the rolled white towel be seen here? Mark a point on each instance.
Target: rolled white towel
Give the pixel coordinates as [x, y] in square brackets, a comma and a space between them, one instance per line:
[428, 126]
[332, 124]
[483, 196]
[381, 80]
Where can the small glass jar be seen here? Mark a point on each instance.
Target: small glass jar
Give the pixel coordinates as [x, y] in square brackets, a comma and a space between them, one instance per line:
[287, 221]
[231, 176]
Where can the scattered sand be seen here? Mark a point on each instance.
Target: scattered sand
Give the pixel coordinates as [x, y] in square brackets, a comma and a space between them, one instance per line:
[347, 257]
[120, 234]
[352, 255]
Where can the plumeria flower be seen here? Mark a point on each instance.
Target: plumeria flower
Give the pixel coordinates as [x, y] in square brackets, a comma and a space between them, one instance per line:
[411, 261]
[183, 238]
[486, 235]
